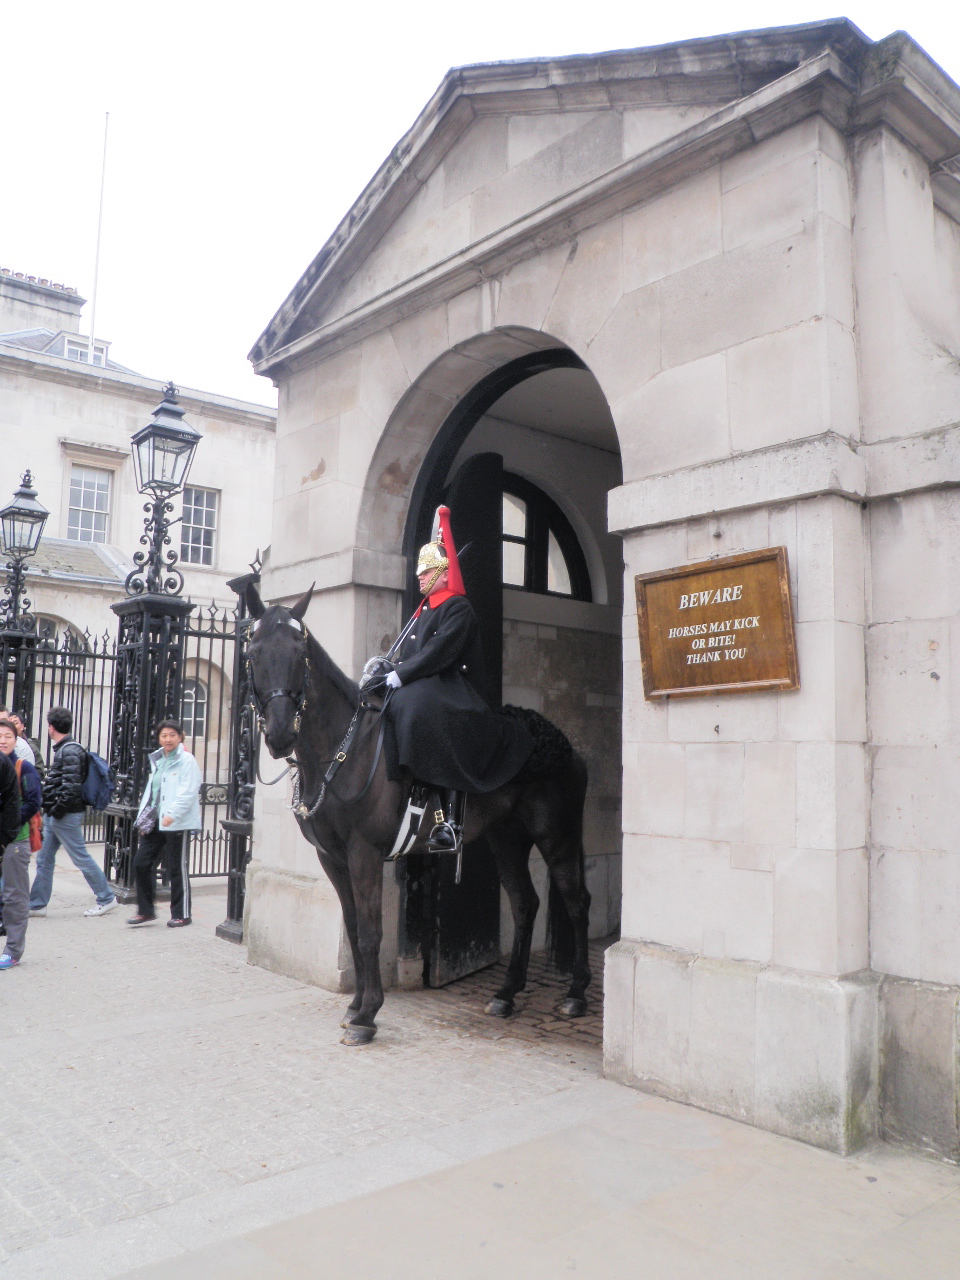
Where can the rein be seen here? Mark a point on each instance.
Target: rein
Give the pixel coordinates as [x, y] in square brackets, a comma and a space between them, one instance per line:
[300, 699]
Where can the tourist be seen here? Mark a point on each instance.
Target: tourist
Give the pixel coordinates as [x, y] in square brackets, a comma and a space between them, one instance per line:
[169, 811]
[25, 750]
[16, 855]
[64, 806]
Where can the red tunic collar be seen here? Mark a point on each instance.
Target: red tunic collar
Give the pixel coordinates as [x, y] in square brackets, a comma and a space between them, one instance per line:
[436, 598]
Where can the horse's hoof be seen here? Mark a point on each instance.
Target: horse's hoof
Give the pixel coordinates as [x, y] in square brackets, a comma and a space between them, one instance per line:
[573, 1007]
[354, 1035]
[498, 1008]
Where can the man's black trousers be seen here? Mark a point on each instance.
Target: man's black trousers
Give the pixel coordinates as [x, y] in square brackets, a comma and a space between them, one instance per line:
[174, 848]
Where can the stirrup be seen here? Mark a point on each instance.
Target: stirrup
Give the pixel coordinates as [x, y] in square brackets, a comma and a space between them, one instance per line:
[455, 838]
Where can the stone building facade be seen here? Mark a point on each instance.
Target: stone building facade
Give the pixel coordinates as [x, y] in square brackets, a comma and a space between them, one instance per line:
[706, 299]
[70, 423]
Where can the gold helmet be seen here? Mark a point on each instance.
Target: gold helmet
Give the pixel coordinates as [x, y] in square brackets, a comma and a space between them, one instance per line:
[432, 559]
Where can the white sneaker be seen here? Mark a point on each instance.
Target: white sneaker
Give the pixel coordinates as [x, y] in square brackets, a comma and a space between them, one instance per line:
[101, 908]
[38, 911]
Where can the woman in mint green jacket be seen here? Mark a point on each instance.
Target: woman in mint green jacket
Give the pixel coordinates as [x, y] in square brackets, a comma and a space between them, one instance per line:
[173, 792]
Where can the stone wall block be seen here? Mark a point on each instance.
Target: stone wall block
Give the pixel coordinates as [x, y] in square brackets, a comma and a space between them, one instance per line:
[831, 795]
[338, 384]
[293, 926]
[805, 934]
[643, 721]
[736, 296]
[914, 797]
[479, 157]
[769, 793]
[679, 229]
[810, 135]
[527, 290]
[618, 1016]
[829, 566]
[296, 401]
[918, 530]
[421, 339]
[383, 378]
[830, 703]
[720, 1065]
[919, 1054]
[748, 717]
[625, 353]
[911, 691]
[311, 456]
[728, 534]
[816, 1059]
[653, 791]
[896, 923]
[647, 551]
[676, 891]
[677, 419]
[662, 988]
[714, 791]
[590, 287]
[774, 204]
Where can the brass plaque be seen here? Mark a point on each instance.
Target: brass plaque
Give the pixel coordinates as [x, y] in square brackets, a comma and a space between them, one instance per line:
[720, 626]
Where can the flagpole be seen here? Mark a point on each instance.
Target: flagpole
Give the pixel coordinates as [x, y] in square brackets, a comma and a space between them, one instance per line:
[96, 261]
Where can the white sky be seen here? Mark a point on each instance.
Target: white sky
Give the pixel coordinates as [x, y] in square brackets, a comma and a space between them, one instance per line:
[241, 133]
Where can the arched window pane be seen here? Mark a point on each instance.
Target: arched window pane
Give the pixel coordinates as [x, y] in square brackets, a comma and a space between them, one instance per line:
[514, 557]
[514, 517]
[194, 709]
[558, 575]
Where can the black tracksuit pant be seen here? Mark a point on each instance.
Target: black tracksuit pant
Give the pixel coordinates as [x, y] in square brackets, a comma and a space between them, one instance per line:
[174, 848]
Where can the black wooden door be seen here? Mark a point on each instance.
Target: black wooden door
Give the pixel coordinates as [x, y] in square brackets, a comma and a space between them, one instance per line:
[464, 919]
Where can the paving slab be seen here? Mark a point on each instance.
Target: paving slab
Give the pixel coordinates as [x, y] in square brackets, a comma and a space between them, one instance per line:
[170, 1111]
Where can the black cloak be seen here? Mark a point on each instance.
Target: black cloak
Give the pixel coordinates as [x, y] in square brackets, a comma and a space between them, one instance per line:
[440, 727]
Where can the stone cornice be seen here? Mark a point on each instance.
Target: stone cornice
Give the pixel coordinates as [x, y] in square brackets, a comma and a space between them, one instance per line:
[854, 85]
[822, 85]
[44, 368]
[787, 473]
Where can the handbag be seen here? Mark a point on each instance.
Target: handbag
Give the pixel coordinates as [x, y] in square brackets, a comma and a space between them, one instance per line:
[35, 824]
[147, 820]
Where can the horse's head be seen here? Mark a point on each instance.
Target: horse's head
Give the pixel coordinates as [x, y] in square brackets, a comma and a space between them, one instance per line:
[277, 654]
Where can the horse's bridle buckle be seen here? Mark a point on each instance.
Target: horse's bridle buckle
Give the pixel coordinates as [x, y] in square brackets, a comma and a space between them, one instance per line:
[341, 756]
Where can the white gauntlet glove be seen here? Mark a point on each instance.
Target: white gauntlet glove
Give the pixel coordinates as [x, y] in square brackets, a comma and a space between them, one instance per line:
[393, 681]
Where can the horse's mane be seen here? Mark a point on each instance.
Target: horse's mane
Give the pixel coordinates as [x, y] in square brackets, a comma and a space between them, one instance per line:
[327, 669]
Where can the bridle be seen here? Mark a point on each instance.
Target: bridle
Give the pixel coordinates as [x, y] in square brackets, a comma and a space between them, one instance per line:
[258, 706]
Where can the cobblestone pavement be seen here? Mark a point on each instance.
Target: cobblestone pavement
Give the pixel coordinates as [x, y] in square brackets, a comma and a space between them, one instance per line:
[147, 1067]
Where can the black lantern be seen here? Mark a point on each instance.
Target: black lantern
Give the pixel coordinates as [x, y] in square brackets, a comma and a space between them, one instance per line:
[163, 450]
[22, 520]
[162, 453]
[21, 526]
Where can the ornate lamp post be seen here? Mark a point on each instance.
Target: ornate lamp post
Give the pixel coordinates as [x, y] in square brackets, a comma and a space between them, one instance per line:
[152, 630]
[21, 527]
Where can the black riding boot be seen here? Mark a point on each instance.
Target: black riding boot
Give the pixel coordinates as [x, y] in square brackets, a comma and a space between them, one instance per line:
[447, 834]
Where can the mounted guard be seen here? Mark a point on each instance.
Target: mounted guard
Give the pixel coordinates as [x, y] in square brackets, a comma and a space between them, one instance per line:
[440, 728]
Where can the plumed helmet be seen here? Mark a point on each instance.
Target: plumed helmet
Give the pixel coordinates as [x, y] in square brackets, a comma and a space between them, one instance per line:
[432, 557]
[439, 554]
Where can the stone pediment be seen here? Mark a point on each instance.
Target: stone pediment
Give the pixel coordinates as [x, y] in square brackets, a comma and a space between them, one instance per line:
[501, 146]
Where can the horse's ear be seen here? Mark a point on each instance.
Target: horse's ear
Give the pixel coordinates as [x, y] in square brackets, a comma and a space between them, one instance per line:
[254, 603]
[300, 608]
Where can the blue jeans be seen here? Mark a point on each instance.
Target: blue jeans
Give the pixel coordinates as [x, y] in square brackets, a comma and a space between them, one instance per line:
[66, 831]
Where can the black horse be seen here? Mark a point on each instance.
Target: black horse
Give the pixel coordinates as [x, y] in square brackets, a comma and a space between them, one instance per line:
[307, 705]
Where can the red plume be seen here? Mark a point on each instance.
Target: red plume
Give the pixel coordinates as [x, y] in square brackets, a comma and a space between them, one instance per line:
[456, 587]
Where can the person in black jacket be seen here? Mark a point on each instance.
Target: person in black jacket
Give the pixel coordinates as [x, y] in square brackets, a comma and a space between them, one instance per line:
[10, 823]
[64, 806]
[16, 856]
[442, 730]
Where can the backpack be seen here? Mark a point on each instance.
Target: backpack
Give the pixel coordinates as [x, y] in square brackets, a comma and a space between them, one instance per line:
[36, 822]
[99, 782]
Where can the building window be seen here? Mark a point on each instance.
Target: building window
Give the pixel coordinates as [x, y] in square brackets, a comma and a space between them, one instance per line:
[540, 550]
[199, 526]
[89, 512]
[80, 351]
[194, 717]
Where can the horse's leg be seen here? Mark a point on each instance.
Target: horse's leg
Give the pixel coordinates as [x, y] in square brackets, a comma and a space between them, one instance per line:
[511, 842]
[564, 858]
[366, 878]
[339, 877]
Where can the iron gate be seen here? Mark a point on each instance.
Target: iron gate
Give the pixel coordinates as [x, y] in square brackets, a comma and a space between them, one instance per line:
[104, 680]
